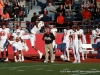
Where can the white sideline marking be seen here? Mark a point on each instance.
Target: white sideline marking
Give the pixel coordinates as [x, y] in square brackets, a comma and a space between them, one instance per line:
[20, 70]
[48, 70]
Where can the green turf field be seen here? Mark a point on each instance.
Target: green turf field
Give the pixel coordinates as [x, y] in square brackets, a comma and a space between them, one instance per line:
[49, 69]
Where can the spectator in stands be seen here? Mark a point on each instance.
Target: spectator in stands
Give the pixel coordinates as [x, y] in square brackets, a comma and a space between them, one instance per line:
[1, 7]
[50, 11]
[33, 19]
[20, 15]
[98, 3]
[6, 17]
[22, 3]
[82, 5]
[97, 17]
[14, 2]
[16, 9]
[86, 14]
[6, 3]
[87, 4]
[68, 4]
[8, 8]
[60, 21]
[76, 4]
[49, 1]
[60, 9]
[92, 4]
[78, 16]
[69, 18]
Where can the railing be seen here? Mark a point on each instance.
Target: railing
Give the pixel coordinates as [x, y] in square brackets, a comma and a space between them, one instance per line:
[86, 28]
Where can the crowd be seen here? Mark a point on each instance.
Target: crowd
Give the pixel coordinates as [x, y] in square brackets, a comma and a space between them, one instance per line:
[69, 12]
[12, 9]
[84, 12]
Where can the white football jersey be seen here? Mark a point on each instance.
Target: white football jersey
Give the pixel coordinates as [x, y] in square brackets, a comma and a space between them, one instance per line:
[0, 29]
[75, 35]
[15, 35]
[80, 31]
[35, 29]
[66, 38]
[21, 32]
[70, 31]
[53, 30]
[17, 45]
[4, 33]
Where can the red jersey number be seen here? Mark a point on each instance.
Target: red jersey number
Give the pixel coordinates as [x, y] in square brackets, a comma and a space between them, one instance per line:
[2, 33]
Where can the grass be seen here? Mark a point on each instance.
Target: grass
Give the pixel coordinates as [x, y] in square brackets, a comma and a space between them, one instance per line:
[49, 69]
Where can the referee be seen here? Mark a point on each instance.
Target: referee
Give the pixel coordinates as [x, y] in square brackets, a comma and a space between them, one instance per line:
[48, 37]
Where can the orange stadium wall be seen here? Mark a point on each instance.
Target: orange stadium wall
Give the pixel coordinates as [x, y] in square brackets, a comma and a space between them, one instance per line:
[40, 44]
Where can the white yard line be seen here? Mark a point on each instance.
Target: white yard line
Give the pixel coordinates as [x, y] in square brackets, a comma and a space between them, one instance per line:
[39, 69]
[48, 70]
[20, 70]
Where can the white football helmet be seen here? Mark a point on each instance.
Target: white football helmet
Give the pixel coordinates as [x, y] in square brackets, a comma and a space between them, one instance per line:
[41, 24]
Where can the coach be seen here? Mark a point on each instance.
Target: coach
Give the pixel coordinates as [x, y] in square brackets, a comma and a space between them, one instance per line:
[48, 37]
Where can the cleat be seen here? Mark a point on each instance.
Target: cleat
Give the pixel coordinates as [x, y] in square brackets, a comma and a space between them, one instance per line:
[6, 59]
[16, 60]
[22, 60]
[75, 62]
[79, 62]
[19, 60]
[65, 58]
[52, 61]
[68, 59]
[45, 61]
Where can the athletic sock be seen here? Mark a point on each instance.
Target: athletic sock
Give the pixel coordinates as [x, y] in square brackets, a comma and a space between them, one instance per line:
[22, 57]
[14, 57]
[39, 51]
[19, 56]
